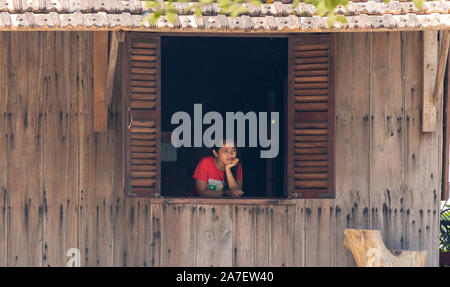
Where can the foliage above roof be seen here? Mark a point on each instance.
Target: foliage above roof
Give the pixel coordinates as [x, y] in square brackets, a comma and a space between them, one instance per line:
[267, 17]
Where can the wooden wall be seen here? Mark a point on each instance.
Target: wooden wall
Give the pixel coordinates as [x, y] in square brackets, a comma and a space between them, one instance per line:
[61, 183]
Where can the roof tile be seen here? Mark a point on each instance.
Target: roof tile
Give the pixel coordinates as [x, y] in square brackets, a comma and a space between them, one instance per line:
[277, 16]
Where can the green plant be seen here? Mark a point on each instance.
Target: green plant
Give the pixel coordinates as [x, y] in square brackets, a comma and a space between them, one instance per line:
[444, 238]
[235, 8]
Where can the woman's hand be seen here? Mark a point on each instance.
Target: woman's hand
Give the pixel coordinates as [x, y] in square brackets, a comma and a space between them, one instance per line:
[233, 163]
[235, 193]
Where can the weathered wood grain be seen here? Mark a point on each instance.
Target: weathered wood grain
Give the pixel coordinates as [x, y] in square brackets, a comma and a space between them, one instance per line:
[319, 232]
[261, 236]
[299, 234]
[281, 235]
[369, 250]
[155, 235]
[311, 232]
[419, 207]
[60, 147]
[116, 38]
[430, 63]
[446, 136]
[96, 173]
[386, 136]
[444, 43]
[133, 221]
[25, 123]
[243, 235]
[214, 236]
[179, 237]
[5, 45]
[100, 54]
[352, 139]
[132, 217]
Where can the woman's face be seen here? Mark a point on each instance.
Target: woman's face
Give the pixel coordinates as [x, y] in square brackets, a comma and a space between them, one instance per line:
[226, 153]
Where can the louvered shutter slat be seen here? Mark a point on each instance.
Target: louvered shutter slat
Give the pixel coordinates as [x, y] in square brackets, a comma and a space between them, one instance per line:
[311, 117]
[142, 124]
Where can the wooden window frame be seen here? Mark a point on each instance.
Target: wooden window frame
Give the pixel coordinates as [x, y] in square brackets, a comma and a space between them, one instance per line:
[446, 137]
[288, 196]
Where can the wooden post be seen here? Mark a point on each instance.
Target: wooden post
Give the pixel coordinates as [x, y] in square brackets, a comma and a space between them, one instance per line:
[104, 70]
[369, 250]
[116, 38]
[433, 76]
[446, 138]
[429, 79]
[442, 62]
[100, 66]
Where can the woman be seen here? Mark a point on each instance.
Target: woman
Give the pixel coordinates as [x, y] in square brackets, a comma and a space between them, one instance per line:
[215, 176]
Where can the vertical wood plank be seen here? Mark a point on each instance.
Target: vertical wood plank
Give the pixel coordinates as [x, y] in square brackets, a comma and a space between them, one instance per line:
[446, 137]
[60, 147]
[444, 42]
[243, 236]
[214, 237]
[155, 245]
[261, 236]
[25, 123]
[100, 52]
[5, 46]
[132, 217]
[178, 242]
[144, 236]
[386, 136]
[419, 208]
[430, 58]
[128, 217]
[117, 106]
[352, 139]
[132, 229]
[281, 235]
[116, 38]
[96, 172]
[319, 232]
[300, 234]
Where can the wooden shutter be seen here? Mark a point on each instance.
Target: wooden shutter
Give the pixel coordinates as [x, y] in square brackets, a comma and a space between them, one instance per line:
[141, 123]
[311, 119]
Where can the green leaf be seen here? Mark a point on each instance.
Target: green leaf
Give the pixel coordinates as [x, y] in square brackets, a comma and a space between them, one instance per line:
[331, 19]
[295, 3]
[198, 12]
[321, 9]
[419, 4]
[152, 18]
[341, 19]
[257, 2]
[171, 17]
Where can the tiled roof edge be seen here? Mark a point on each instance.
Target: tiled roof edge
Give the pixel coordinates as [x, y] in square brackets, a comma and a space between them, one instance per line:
[291, 23]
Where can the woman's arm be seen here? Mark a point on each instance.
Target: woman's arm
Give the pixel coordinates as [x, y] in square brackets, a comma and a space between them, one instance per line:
[234, 186]
[202, 189]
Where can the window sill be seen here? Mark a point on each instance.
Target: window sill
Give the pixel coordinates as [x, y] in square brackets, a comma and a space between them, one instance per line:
[231, 201]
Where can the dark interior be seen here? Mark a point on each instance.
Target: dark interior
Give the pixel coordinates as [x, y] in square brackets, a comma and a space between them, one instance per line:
[224, 75]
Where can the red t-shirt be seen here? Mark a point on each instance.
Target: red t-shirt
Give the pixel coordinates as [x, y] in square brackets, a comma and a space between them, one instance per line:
[207, 171]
